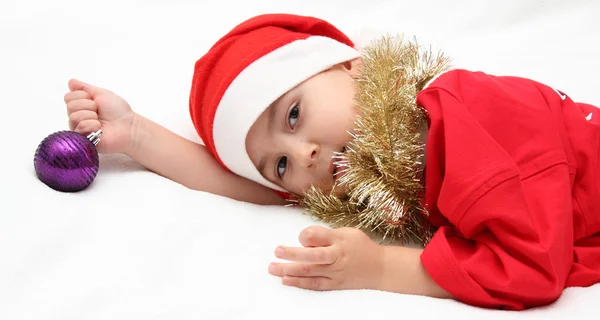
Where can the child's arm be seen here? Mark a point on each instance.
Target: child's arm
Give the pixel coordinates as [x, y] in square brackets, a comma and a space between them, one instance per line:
[403, 272]
[91, 108]
[190, 164]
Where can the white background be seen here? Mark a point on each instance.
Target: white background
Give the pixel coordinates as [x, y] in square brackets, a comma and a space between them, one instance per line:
[135, 245]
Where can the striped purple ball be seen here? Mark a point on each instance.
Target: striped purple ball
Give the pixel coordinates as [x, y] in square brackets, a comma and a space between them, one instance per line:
[66, 161]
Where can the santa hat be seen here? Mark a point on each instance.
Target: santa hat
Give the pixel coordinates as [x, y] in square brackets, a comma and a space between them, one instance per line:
[251, 67]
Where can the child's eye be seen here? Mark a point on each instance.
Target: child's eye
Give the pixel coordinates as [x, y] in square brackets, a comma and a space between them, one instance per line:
[293, 115]
[281, 165]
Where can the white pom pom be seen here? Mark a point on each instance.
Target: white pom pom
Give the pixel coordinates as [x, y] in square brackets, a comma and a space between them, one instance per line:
[364, 37]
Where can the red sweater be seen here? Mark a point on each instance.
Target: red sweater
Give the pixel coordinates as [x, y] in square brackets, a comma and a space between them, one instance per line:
[512, 180]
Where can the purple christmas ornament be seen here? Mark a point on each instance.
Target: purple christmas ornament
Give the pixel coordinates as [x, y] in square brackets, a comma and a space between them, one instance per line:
[67, 161]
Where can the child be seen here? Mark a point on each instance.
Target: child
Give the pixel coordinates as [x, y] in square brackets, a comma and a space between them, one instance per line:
[512, 179]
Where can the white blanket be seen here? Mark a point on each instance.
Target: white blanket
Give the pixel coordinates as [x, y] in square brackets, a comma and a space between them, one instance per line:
[137, 246]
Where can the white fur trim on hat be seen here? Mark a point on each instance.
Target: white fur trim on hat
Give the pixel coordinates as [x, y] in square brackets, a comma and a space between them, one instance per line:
[259, 85]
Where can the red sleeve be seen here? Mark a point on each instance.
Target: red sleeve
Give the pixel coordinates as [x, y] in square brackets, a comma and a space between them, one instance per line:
[520, 251]
[509, 243]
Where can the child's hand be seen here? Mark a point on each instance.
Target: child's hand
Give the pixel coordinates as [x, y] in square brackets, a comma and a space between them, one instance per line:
[91, 108]
[343, 258]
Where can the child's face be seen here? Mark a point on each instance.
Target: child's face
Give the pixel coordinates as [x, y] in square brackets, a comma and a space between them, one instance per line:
[293, 141]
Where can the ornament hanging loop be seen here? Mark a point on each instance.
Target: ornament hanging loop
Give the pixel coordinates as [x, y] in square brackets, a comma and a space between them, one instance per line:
[95, 137]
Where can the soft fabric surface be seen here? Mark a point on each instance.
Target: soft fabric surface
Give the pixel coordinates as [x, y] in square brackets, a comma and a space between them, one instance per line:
[137, 246]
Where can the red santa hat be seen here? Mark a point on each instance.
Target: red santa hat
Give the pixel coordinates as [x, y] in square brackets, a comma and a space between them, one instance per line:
[251, 67]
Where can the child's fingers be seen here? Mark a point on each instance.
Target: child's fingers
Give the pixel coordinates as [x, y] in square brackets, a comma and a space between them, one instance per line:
[321, 255]
[76, 117]
[93, 91]
[75, 85]
[76, 95]
[87, 126]
[316, 236]
[299, 269]
[310, 283]
[82, 104]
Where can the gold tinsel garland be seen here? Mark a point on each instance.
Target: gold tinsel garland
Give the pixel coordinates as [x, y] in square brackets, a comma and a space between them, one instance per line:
[383, 162]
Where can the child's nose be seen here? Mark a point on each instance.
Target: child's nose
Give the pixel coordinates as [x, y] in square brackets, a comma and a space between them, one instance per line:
[306, 154]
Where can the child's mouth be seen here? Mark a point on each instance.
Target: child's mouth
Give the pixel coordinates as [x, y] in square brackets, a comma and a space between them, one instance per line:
[339, 165]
